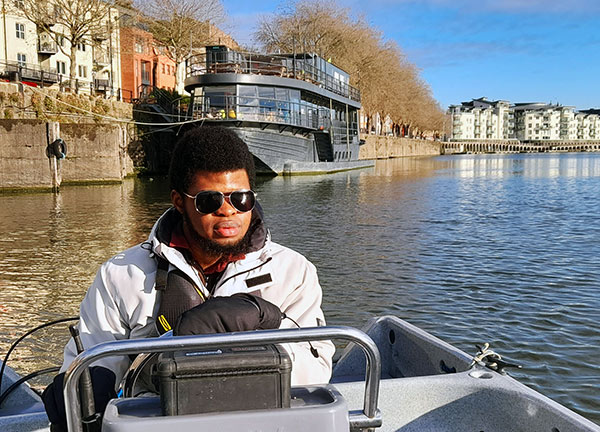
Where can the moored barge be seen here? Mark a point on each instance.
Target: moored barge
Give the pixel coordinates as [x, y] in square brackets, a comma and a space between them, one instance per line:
[296, 112]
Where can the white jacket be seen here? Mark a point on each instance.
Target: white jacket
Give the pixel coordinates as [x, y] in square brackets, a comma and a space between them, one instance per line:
[122, 302]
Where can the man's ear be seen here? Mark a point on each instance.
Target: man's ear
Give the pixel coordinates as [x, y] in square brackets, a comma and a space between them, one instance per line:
[177, 201]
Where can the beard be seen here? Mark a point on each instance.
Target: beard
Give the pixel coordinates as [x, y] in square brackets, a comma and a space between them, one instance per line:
[213, 248]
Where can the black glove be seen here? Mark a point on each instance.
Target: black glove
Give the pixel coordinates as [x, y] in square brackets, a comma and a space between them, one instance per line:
[240, 312]
[103, 381]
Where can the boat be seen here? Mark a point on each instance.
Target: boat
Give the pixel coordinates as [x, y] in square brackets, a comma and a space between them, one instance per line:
[297, 113]
[391, 376]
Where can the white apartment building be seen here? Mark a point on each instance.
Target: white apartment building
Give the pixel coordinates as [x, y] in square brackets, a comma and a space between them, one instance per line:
[44, 60]
[537, 121]
[483, 119]
[593, 124]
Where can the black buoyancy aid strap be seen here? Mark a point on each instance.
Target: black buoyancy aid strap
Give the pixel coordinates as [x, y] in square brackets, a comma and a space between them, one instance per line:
[178, 295]
[162, 272]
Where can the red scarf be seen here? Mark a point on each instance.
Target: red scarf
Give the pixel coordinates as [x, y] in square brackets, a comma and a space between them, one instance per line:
[179, 241]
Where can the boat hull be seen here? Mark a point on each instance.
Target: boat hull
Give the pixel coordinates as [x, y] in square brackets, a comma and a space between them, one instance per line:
[282, 150]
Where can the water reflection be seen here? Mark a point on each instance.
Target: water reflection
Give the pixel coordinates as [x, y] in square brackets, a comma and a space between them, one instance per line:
[487, 248]
[545, 165]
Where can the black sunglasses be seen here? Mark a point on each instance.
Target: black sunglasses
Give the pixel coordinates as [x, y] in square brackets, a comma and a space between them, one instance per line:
[210, 201]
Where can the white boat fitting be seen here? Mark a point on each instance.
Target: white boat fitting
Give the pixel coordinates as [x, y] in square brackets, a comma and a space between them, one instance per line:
[391, 377]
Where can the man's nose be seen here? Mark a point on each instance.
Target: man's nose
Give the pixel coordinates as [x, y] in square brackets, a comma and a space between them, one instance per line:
[226, 209]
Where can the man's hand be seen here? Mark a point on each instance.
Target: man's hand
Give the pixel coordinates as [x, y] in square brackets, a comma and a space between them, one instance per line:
[240, 312]
[103, 381]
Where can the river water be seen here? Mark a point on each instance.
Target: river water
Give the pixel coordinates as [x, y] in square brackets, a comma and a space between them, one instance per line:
[473, 248]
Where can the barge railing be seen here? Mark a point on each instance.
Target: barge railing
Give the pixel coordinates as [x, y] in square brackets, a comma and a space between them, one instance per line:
[297, 66]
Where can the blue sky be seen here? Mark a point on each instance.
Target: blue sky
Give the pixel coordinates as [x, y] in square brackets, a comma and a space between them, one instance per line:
[515, 50]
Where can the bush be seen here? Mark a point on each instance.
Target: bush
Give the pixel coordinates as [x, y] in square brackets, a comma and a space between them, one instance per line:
[15, 98]
[49, 104]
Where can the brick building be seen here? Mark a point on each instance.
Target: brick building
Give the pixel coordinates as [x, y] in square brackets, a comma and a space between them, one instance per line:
[143, 63]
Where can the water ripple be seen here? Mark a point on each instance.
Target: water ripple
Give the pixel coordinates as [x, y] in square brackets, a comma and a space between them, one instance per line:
[499, 249]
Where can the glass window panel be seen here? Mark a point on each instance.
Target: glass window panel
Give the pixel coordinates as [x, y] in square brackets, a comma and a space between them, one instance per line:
[220, 101]
[248, 102]
[246, 90]
[266, 101]
[266, 92]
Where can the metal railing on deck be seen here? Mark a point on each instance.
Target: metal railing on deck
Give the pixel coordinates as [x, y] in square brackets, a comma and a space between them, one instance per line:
[298, 66]
[263, 110]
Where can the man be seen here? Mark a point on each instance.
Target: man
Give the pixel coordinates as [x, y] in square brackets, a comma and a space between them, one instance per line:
[208, 266]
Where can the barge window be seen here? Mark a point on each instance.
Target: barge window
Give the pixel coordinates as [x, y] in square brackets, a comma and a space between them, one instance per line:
[266, 100]
[295, 106]
[220, 101]
[248, 102]
[283, 105]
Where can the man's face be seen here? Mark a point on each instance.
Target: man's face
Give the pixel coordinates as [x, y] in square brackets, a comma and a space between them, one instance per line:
[223, 230]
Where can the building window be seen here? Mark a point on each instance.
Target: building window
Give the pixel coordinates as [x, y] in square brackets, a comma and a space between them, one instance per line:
[61, 67]
[20, 28]
[139, 48]
[81, 46]
[21, 59]
[83, 71]
[19, 4]
[163, 68]
[60, 40]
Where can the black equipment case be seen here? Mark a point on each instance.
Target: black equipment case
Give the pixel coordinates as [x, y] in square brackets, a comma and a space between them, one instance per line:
[229, 379]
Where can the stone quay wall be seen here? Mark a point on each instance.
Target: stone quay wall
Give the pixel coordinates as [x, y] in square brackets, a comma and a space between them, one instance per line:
[95, 153]
[384, 147]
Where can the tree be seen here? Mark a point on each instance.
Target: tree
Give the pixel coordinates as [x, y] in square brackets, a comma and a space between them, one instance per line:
[75, 21]
[180, 26]
[389, 84]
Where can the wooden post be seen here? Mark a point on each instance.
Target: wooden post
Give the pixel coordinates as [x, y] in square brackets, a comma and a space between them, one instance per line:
[53, 133]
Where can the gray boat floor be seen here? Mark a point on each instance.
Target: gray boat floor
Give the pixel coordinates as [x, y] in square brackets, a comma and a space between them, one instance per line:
[460, 402]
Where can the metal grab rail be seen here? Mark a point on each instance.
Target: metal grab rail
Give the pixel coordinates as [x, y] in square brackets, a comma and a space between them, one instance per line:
[370, 417]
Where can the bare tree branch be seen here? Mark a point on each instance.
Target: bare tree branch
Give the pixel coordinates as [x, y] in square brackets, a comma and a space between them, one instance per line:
[181, 25]
[389, 84]
[74, 21]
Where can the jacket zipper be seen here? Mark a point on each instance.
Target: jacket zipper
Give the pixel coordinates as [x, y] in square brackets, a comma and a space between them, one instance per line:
[236, 275]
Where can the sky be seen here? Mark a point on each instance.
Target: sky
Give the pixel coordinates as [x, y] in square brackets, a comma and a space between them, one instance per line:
[515, 50]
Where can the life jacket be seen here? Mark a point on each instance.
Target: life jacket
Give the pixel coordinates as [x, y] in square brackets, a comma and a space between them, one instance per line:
[178, 295]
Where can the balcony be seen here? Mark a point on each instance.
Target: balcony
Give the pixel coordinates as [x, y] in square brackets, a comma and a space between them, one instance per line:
[31, 72]
[100, 36]
[101, 60]
[47, 47]
[101, 84]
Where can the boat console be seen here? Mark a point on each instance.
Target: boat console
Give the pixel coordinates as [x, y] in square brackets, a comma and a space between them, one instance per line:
[230, 382]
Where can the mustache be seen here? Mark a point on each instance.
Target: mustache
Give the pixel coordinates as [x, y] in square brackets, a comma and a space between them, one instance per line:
[216, 249]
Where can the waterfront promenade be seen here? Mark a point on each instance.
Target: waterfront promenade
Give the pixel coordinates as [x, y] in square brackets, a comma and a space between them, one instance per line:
[515, 146]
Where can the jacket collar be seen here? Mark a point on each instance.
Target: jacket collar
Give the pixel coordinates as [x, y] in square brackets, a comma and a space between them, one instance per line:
[170, 219]
[160, 237]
